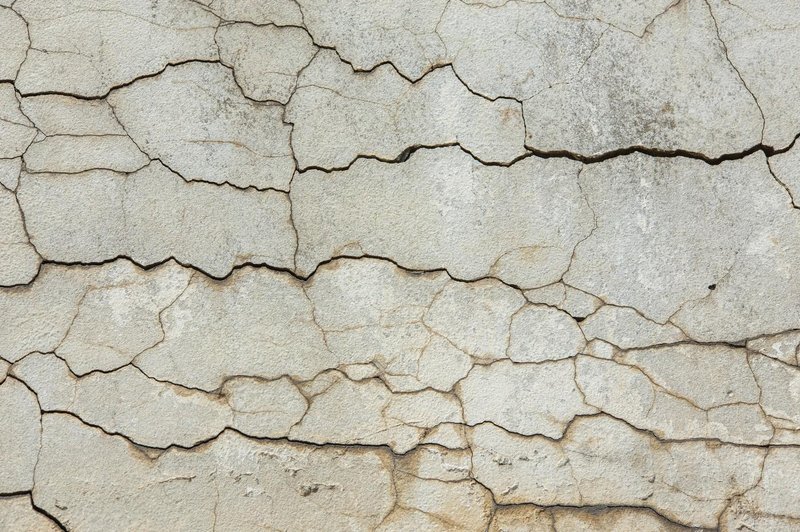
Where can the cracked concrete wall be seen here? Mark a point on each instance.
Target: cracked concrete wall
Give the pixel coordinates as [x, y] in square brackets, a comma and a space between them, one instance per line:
[399, 265]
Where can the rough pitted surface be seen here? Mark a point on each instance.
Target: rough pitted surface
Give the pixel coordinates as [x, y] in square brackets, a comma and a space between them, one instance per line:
[490, 265]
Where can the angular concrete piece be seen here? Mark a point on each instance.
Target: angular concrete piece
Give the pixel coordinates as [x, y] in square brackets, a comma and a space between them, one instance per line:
[236, 482]
[144, 410]
[153, 215]
[601, 459]
[160, 414]
[13, 43]
[114, 41]
[195, 119]
[673, 367]
[20, 438]
[119, 317]
[540, 333]
[366, 34]
[758, 38]
[711, 245]
[367, 413]
[519, 223]
[488, 389]
[80, 135]
[262, 326]
[516, 49]
[72, 155]
[339, 115]
[37, 316]
[265, 59]
[627, 329]
[16, 131]
[663, 96]
[783, 347]
[484, 331]
[632, 394]
[19, 261]
[9, 172]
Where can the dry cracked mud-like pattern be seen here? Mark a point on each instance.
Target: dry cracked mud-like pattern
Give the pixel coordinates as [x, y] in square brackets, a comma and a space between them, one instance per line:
[495, 265]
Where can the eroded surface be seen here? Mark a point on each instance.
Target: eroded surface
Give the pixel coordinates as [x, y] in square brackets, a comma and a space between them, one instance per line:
[467, 265]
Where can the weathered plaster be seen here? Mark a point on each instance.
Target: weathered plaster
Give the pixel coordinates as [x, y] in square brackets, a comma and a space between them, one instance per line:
[398, 265]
